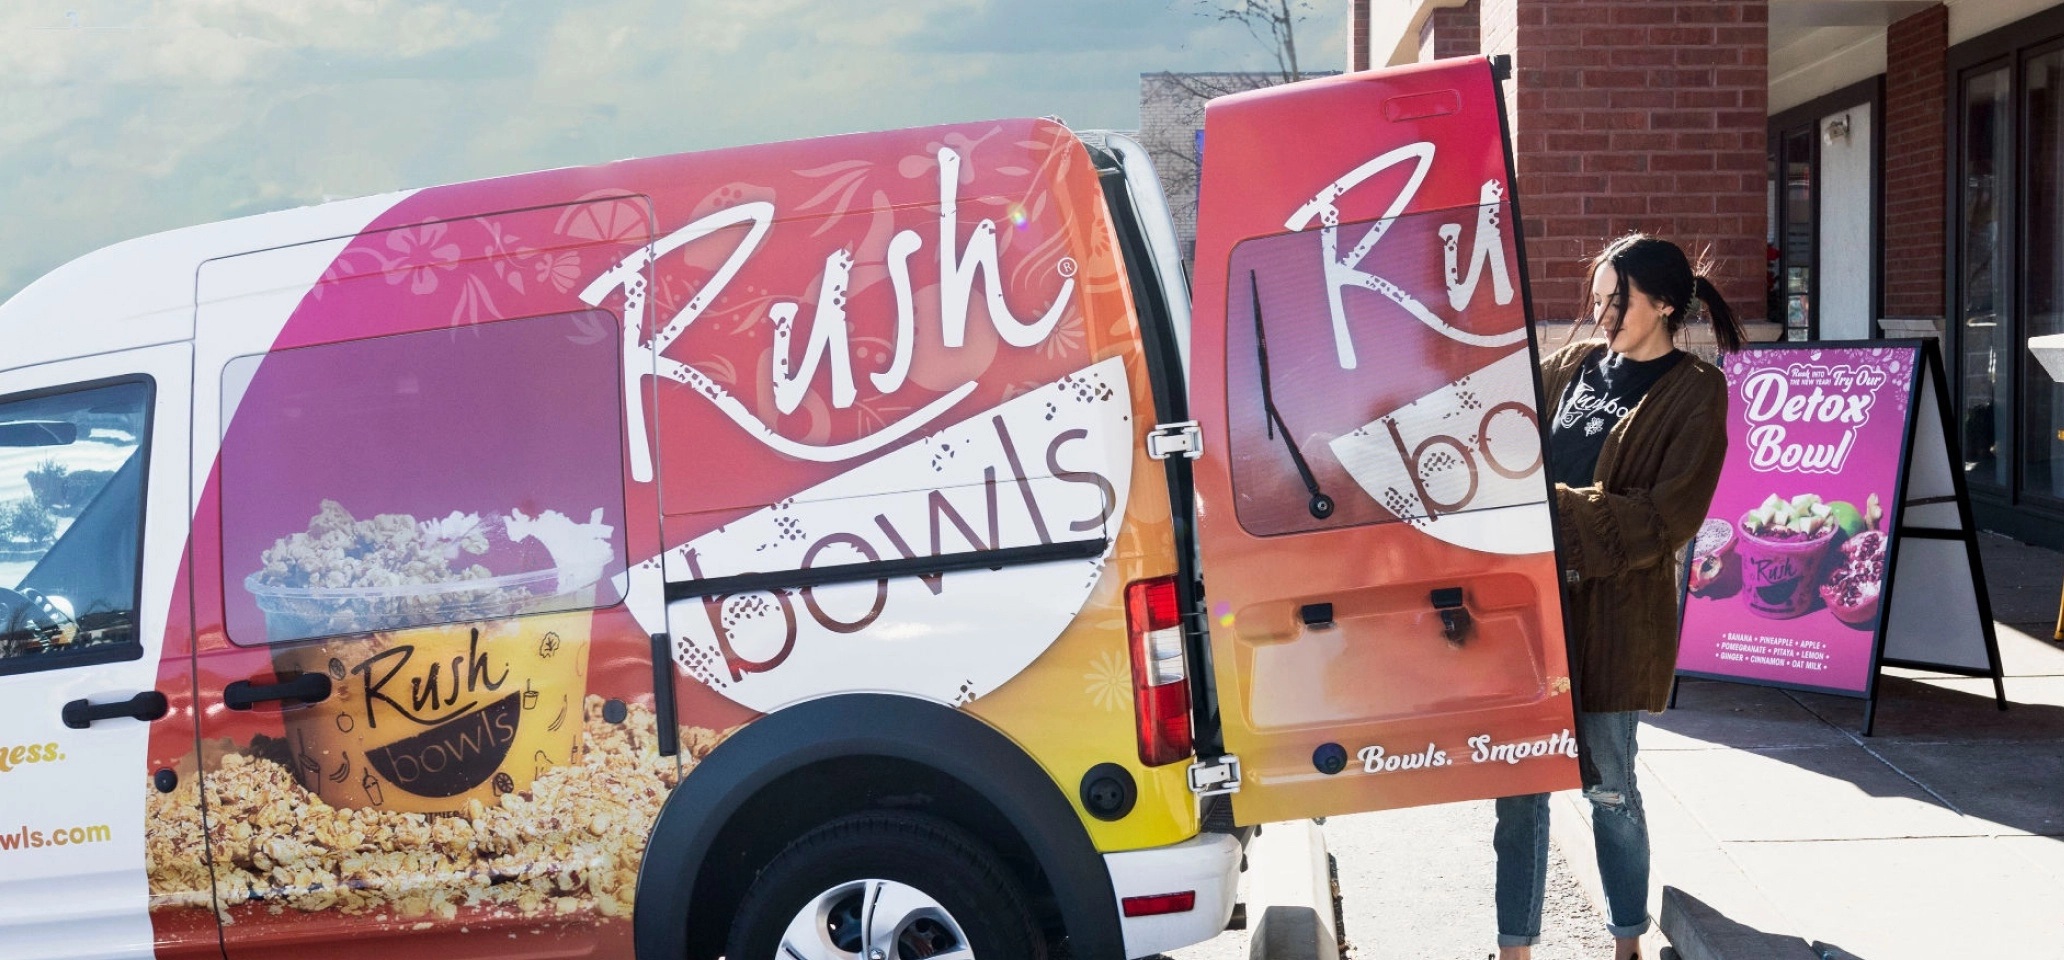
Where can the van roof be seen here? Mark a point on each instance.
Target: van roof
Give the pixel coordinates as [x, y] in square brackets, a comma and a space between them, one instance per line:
[140, 292]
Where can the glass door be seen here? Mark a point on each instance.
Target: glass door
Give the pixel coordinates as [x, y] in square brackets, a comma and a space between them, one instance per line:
[1794, 235]
[1984, 315]
[2042, 271]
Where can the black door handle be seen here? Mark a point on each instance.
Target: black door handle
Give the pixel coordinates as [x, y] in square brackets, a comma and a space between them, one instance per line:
[308, 688]
[1454, 616]
[80, 714]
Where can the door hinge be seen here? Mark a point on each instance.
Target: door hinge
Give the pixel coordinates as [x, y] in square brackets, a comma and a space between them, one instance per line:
[1169, 439]
[1215, 777]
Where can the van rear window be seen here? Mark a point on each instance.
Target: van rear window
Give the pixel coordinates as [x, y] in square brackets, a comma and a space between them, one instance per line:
[425, 478]
[71, 524]
[1377, 382]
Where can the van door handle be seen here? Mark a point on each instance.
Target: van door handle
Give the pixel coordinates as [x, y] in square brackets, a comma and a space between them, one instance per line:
[80, 714]
[1454, 616]
[308, 688]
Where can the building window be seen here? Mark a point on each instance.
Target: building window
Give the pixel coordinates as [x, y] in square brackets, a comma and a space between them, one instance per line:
[2006, 270]
[2042, 271]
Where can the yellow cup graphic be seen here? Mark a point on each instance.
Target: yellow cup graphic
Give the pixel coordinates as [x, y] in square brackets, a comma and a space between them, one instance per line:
[425, 720]
[446, 688]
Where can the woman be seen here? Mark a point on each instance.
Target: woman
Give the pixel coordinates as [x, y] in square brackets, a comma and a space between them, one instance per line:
[1634, 452]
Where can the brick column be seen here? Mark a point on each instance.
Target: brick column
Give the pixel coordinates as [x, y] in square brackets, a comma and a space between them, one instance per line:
[1916, 163]
[1637, 115]
[1451, 32]
[1358, 35]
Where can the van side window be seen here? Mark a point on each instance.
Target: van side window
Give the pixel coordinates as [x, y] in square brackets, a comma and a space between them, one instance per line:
[71, 523]
[447, 476]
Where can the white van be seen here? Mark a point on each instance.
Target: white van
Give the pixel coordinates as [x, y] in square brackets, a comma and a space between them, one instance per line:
[818, 549]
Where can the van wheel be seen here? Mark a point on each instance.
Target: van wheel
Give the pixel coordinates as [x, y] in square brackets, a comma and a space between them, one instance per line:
[885, 886]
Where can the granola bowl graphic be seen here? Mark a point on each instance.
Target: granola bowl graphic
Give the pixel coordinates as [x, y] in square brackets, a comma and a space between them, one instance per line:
[1782, 544]
[447, 685]
[299, 613]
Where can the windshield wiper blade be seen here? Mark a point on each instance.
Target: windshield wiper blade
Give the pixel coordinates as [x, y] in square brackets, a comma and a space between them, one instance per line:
[1320, 505]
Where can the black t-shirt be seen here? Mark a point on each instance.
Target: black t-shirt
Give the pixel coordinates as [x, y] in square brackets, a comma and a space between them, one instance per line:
[1603, 392]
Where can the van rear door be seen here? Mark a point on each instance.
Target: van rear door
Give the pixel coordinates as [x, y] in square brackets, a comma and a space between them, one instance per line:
[1385, 617]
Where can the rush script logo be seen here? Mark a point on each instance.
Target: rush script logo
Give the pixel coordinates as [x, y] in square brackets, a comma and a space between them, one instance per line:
[1345, 270]
[826, 345]
[1439, 460]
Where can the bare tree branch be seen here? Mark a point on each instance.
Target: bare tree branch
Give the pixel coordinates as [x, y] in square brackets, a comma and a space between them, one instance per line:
[1272, 23]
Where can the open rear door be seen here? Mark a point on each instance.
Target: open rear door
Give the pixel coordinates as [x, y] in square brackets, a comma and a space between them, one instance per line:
[1386, 620]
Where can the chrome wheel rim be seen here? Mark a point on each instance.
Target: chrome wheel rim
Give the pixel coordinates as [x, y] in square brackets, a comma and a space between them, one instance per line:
[874, 920]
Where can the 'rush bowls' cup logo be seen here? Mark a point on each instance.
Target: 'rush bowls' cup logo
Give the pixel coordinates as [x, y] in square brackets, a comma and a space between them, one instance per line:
[1444, 460]
[427, 719]
[454, 756]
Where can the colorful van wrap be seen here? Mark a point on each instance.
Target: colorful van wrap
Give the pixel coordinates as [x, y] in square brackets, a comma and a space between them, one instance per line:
[453, 470]
[1386, 610]
[380, 577]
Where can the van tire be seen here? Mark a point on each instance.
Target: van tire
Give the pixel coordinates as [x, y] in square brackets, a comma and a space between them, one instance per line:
[939, 860]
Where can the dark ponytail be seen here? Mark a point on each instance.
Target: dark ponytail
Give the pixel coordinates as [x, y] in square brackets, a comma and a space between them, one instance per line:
[1727, 331]
[1660, 269]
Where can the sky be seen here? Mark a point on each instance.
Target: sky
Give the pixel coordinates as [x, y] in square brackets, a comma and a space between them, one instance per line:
[120, 118]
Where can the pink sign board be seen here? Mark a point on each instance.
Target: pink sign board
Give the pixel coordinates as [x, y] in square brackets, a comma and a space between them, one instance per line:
[1786, 578]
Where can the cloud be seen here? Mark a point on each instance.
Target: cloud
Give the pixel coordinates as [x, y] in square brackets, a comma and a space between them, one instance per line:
[123, 117]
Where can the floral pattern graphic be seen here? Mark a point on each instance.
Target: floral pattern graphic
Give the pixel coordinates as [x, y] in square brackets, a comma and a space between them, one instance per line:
[422, 252]
[1109, 681]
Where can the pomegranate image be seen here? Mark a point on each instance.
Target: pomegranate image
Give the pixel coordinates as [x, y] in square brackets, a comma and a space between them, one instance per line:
[1852, 589]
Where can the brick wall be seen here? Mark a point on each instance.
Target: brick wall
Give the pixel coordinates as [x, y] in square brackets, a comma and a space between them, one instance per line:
[1916, 163]
[1358, 35]
[1637, 115]
[1451, 32]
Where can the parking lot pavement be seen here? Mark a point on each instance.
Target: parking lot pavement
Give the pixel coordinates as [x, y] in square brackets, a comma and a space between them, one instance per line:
[1417, 885]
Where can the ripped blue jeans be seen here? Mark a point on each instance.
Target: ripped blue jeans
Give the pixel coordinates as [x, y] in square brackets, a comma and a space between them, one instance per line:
[1605, 751]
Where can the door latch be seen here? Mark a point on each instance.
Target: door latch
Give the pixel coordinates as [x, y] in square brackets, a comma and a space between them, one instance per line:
[1216, 777]
[1169, 439]
[1454, 617]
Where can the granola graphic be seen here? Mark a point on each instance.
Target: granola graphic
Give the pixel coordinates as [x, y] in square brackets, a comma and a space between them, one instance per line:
[570, 843]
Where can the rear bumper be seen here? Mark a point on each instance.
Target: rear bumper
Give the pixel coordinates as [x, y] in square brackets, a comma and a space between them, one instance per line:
[1208, 864]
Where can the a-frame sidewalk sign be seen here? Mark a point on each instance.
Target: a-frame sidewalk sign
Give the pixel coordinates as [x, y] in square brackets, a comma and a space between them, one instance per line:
[1840, 540]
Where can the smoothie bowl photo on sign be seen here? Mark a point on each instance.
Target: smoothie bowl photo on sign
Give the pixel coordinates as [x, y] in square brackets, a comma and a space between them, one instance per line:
[1782, 544]
[456, 649]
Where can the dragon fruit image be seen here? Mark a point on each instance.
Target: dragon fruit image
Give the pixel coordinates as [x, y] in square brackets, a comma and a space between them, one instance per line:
[1715, 571]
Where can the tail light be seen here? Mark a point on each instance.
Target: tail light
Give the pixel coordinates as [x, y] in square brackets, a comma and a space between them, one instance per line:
[1160, 904]
[1160, 676]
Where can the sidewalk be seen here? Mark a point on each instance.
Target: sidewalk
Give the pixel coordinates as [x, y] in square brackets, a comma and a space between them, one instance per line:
[1941, 836]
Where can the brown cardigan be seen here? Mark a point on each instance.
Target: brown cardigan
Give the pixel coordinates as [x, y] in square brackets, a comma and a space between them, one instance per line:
[1621, 535]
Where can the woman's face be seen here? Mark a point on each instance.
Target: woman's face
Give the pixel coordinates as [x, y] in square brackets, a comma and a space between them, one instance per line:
[1639, 327]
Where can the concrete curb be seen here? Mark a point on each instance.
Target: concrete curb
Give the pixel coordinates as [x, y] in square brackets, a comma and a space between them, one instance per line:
[1290, 894]
[1699, 932]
